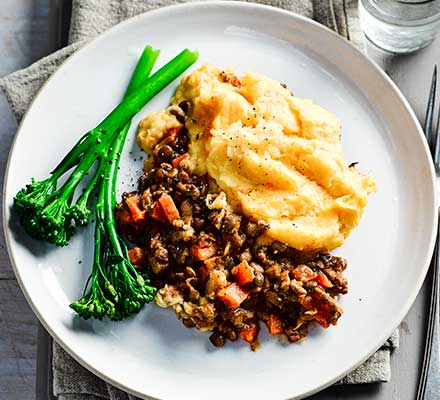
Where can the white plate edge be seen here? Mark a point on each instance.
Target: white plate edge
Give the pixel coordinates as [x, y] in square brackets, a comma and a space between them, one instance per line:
[238, 4]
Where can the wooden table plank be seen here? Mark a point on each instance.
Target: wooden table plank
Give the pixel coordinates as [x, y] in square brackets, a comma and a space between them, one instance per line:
[18, 340]
[23, 39]
[23, 33]
[7, 130]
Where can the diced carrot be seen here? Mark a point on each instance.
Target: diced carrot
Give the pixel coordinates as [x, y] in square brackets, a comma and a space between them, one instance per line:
[207, 268]
[232, 295]
[137, 255]
[249, 332]
[203, 253]
[323, 307]
[124, 217]
[174, 131]
[125, 220]
[304, 273]
[158, 213]
[244, 273]
[323, 280]
[275, 325]
[322, 319]
[134, 205]
[312, 301]
[308, 302]
[319, 303]
[169, 208]
[179, 159]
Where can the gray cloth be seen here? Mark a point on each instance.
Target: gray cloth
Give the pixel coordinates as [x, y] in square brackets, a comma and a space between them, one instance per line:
[91, 17]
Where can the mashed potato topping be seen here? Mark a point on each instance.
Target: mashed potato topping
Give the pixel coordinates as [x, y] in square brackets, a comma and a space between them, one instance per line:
[278, 158]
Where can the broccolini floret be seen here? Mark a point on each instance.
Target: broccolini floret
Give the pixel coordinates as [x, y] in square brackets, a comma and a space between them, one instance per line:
[48, 211]
[115, 288]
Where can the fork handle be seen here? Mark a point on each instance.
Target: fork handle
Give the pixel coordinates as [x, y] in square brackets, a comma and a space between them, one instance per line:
[429, 385]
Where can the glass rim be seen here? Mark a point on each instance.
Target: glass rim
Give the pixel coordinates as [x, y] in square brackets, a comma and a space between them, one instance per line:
[403, 12]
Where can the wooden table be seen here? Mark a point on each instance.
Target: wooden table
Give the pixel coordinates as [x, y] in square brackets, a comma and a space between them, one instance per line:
[28, 31]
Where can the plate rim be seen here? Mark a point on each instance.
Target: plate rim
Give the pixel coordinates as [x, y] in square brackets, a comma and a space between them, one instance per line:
[228, 4]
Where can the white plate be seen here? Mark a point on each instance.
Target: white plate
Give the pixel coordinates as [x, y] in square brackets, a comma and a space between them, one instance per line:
[152, 354]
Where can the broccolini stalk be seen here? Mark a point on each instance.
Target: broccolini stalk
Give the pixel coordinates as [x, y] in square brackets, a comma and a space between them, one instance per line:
[48, 212]
[115, 288]
[133, 289]
[101, 298]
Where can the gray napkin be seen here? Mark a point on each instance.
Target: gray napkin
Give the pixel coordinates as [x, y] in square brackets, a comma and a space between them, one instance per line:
[91, 17]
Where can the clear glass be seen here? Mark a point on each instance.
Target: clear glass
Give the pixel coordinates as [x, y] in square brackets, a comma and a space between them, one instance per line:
[400, 26]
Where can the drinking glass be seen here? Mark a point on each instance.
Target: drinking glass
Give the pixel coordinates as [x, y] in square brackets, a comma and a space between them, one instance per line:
[400, 26]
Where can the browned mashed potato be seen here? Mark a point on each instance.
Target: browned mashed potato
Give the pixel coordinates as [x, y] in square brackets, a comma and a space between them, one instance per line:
[278, 158]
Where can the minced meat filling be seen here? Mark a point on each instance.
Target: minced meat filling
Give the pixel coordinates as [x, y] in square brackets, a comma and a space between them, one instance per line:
[215, 268]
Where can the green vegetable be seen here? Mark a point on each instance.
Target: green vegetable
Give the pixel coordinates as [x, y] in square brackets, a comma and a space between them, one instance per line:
[51, 213]
[48, 212]
[116, 289]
